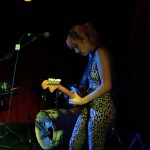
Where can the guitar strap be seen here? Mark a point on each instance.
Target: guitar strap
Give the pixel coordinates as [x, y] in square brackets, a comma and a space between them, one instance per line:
[85, 75]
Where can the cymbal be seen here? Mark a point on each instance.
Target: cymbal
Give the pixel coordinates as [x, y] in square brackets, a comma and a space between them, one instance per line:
[5, 86]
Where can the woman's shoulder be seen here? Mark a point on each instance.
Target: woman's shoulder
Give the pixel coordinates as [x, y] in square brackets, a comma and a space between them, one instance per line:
[102, 50]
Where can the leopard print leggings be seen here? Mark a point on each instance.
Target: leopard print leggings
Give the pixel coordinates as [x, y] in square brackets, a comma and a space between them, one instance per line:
[93, 122]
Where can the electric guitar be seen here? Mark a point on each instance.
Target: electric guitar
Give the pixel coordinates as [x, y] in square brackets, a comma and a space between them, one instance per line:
[53, 84]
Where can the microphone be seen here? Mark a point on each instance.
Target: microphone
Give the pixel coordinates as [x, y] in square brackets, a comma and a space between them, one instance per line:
[45, 34]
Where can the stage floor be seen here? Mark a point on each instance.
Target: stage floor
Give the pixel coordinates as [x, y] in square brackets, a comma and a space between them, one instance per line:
[21, 136]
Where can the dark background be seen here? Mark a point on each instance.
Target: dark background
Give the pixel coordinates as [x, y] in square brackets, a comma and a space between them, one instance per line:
[124, 26]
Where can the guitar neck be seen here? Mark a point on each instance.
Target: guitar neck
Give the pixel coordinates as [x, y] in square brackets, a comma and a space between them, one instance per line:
[65, 91]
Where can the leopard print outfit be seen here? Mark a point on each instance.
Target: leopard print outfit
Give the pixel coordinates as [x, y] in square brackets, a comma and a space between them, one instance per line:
[95, 119]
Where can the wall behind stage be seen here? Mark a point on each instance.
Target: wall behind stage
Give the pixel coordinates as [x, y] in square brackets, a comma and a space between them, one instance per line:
[27, 99]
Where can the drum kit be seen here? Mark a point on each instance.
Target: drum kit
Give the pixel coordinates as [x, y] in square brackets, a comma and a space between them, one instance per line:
[48, 130]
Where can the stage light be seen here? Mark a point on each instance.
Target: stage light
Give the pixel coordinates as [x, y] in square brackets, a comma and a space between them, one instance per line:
[27, 0]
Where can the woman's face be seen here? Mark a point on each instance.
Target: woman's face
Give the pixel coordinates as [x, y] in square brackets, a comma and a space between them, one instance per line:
[81, 47]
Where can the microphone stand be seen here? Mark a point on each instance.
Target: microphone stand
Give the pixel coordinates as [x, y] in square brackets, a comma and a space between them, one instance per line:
[17, 48]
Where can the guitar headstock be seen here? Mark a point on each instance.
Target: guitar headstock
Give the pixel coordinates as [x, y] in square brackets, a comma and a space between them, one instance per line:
[51, 83]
